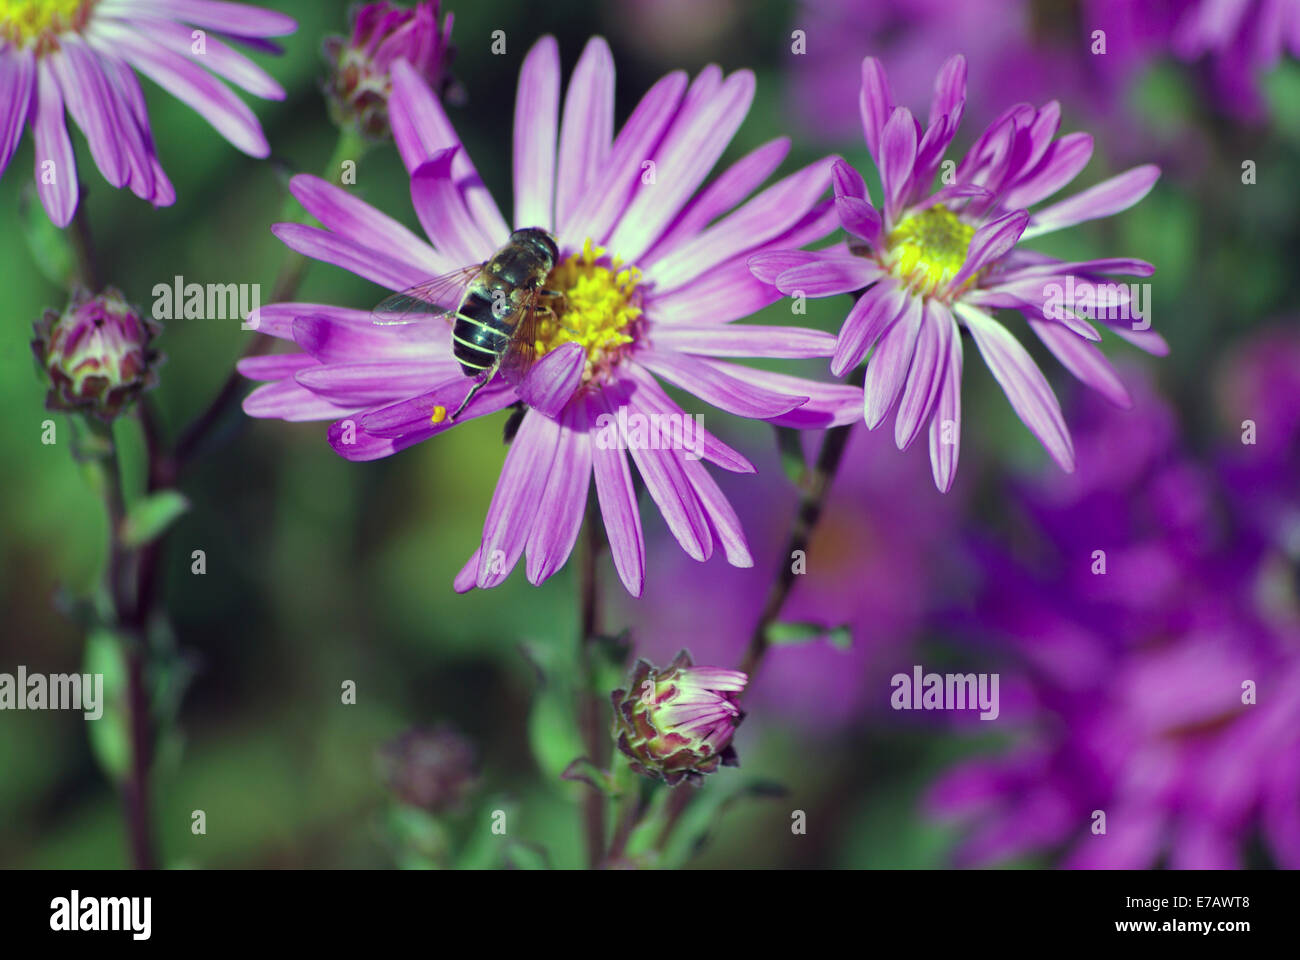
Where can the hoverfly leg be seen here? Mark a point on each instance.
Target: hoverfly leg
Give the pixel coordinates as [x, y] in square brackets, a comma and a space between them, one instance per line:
[479, 384]
[554, 312]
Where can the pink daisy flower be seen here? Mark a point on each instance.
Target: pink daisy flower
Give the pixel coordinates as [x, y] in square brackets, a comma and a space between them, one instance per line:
[653, 274]
[83, 55]
[932, 264]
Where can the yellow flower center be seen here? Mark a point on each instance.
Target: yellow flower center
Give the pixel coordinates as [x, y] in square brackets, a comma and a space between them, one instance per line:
[927, 249]
[29, 22]
[600, 308]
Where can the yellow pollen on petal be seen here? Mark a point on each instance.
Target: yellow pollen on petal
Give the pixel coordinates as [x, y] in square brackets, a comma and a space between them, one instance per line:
[439, 414]
[32, 22]
[927, 249]
[599, 308]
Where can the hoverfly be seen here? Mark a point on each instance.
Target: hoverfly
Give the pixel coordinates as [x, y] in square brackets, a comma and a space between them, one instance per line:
[498, 305]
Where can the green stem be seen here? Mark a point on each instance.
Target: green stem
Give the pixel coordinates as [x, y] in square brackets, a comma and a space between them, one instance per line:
[130, 625]
[588, 705]
[83, 246]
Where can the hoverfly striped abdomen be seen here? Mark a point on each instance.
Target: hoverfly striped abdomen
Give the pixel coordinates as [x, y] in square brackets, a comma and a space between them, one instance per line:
[479, 336]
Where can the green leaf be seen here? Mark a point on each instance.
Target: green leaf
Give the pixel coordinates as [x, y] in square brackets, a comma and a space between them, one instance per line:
[793, 634]
[527, 856]
[552, 724]
[149, 517]
[583, 770]
[110, 734]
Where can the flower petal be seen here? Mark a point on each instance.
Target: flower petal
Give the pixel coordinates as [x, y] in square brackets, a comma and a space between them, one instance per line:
[828, 276]
[1083, 360]
[598, 210]
[1106, 198]
[990, 242]
[887, 369]
[873, 314]
[651, 397]
[189, 83]
[1024, 384]
[688, 152]
[724, 193]
[89, 99]
[897, 157]
[716, 388]
[352, 217]
[421, 128]
[618, 507]
[56, 164]
[551, 383]
[564, 499]
[875, 103]
[537, 109]
[743, 340]
[17, 81]
[331, 248]
[444, 212]
[763, 218]
[515, 502]
[945, 426]
[925, 378]
[587, 129]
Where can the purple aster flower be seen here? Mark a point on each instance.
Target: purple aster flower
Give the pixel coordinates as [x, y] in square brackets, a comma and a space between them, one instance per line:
[1164, 694]
[677, 723]
[361, 81]
[935, 264]
[83, 55]
[653, 274]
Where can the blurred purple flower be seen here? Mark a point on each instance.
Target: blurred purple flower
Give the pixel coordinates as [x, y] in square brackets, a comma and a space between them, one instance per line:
[935, 263]
[1241, 40]
[1140, 676]
[996, 36]
[667, 316]
[1258, 394]
[82, 54]
[1020, 50]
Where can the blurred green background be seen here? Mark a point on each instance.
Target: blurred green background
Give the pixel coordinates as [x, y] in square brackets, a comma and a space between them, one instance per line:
[320, 571]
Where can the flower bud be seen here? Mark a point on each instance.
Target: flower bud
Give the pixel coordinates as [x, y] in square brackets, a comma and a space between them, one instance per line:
[678, 722]
[96, 354]
[359, 83]
[431, 769]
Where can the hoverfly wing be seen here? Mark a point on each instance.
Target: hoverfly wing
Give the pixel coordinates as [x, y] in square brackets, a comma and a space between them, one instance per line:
[521, 353]
[438, 297]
